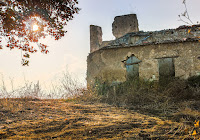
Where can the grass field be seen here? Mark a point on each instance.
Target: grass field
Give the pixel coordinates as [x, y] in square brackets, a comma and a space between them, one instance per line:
[129, 111]
[60, 119]
[26, 118]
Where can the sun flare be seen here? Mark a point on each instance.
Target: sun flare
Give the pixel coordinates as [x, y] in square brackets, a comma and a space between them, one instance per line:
[35, 27]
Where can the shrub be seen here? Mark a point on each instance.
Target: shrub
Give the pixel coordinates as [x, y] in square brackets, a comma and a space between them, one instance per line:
[162, 99]
[194, 81]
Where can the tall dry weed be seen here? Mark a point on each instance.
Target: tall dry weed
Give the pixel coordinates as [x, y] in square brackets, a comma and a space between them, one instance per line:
[161, 99]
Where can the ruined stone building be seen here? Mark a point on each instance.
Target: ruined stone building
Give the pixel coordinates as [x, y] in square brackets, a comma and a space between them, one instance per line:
[147, 55]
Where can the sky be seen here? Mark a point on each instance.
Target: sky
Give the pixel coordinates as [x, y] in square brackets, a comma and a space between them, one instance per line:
[70, 53]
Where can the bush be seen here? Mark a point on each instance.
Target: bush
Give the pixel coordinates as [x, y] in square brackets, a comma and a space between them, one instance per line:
[130, 92]
[161, 99]
[177, 90]
[194, 81]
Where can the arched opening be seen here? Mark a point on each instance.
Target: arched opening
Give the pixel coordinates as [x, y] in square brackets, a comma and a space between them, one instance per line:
[132, 67]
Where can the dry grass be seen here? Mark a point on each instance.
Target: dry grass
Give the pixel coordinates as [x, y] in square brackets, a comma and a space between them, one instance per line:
[58, 119]
[151, 97]
[14, 105]
[176, 100]
[130, 110]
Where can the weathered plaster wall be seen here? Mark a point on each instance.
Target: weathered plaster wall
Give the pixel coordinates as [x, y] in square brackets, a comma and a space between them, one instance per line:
[106, 64]
[106, 59]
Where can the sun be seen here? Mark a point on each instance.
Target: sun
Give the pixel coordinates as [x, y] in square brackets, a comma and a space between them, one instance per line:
[35, 27]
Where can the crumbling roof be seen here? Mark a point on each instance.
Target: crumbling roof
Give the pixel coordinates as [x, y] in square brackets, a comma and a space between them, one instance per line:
[141, 38]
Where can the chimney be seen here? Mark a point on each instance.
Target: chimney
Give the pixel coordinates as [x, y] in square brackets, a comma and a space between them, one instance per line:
[95, 38]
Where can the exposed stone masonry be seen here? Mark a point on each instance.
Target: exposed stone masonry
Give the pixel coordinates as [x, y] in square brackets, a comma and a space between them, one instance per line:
[124, 24]
[95, 38]
[176, 49]
[181, 34]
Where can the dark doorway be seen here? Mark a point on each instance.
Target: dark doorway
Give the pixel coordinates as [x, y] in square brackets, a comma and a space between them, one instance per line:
[166, 68]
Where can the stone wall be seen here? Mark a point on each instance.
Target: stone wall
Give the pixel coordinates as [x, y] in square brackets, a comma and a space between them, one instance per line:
[95, 38]
[157, 37]
[107, 64]
[107, 60]
[124, 24]
[121, 26]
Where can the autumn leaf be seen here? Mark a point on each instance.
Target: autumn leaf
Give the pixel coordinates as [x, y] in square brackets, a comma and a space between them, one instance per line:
[194, 133]
[189, 30]
[26, 55]
[196, 124]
